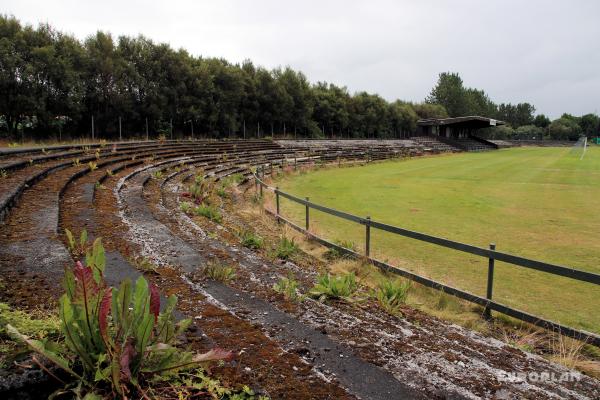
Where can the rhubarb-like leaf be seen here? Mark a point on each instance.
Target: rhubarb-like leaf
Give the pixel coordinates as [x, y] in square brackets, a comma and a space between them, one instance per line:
[103, 313]
[125, 361]
[39, 347]
[154, 301]
[214, 355]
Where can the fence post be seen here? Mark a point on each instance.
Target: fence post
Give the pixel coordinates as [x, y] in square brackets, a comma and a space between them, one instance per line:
[260, 183]
[307, 214]
[490, 283]
[277, 201]
[367, 236]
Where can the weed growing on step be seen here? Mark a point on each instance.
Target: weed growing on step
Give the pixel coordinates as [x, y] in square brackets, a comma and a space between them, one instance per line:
[218, 271]
[109, 173]
[3, 174]
[116, 340]
[77, 248]
[286, 248]
[210, 212]
[288, 287]
[157, 174]
[40, 325]
[92, 166]
[143, 264]
[99, 186]
[334, 254]
[391, 295]
[186, 207]
[251, 240]
[334, 287]
[76, 162]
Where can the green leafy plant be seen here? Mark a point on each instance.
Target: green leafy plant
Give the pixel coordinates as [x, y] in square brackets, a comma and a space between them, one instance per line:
[286, 248]
[391, 294]
[93, 166]
[289, 288]
[77, 248]
[116, 340]
[210, 212]
[218, 271]
[334, 287]
[3, 174]
[186, 206]
[251, 240]
[157, 174]
[222, 191]
[334, 254]
[109, 172]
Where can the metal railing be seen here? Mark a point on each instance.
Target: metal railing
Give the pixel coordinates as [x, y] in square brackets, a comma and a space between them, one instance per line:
[490, 253]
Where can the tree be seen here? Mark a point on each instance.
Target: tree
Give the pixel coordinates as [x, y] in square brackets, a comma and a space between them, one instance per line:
[564, 128]
[590, 125]
[429, 110]
[541, 121]
[450, 93]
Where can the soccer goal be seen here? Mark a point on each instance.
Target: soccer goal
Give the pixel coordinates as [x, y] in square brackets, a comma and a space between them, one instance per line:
[580, 147]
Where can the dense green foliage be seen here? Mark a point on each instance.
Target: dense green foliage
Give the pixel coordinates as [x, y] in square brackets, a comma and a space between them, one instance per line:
[522, 123]
[51, 85]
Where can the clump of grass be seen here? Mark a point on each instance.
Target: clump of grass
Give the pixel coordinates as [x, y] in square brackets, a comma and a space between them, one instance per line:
[286, 248]
[109, 172]
[157, 174]
[3, 174]
[210, 212]
[251, 240]
[99, 186]
[34, 324]
[334, 287]
[186, 207]
[288, 287]
[218, 271]
[334, 254]
[144, 264]
[222, 191]
[391, 294]
[76, 162]
[93, 166]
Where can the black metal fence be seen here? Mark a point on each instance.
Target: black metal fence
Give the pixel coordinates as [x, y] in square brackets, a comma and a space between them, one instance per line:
[491, 254]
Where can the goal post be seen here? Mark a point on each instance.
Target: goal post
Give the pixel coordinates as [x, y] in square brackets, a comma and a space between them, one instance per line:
[580, 147]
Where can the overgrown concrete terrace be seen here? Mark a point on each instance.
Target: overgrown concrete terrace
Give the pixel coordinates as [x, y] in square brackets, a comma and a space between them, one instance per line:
[322, 350]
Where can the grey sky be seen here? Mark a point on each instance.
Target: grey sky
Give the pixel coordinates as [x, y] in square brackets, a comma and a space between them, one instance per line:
[543, 52]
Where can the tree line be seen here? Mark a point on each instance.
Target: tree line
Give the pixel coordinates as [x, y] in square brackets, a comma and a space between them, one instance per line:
[53, 85]
[521, 120]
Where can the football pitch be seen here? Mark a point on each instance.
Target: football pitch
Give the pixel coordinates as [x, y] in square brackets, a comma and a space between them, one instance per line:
[539, 203]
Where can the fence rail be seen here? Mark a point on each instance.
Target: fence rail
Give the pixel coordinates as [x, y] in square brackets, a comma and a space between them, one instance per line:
[491, 254]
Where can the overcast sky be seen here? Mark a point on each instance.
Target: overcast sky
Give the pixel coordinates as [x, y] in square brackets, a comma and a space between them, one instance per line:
[543, 52]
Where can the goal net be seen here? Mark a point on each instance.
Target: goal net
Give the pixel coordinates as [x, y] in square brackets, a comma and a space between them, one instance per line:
[580, 147]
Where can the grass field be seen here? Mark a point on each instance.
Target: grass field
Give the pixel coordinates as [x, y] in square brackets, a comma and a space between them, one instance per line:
[540, 203]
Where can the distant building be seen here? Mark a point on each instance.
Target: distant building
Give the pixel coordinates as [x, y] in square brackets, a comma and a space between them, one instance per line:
[454, 128]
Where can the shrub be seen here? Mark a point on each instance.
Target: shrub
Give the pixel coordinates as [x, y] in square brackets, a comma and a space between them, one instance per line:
[334, 254]
[218, 271]
[210, 212]
[289, 288]
[116, 339]
[334, 287]
[391, 295]
[251, 240]
[286, 248]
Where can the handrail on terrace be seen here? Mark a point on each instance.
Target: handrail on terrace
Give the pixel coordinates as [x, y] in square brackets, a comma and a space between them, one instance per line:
[491, 254]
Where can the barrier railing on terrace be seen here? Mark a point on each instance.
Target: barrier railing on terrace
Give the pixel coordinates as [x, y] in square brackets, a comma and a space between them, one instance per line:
[491, 254]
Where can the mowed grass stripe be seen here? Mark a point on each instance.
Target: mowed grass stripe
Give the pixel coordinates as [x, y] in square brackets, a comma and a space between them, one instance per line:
[540, 203]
